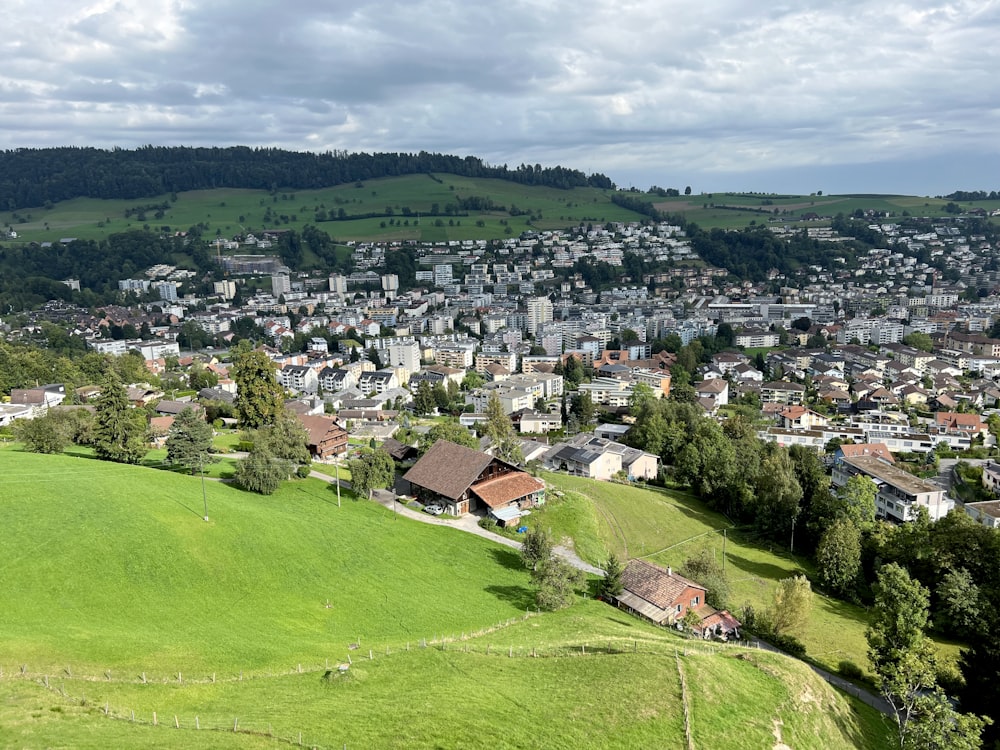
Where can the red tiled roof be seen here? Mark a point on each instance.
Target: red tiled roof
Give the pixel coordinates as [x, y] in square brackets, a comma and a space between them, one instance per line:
[879, 450]
[505, 489]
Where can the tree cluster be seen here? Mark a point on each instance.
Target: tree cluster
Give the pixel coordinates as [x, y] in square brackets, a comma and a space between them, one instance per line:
[32, 177]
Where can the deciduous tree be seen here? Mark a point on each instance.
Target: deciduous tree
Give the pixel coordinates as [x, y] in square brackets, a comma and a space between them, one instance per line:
[372, 470]
[536, 548]
[838, 557]
[261, 471]
[42, 435]
[902, 658]
[451, 431]
[259, 397]
[704, 569]
[791, 604]
[556, 580]
[500, 431]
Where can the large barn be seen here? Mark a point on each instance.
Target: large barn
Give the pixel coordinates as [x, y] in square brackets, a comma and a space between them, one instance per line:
[464, 480]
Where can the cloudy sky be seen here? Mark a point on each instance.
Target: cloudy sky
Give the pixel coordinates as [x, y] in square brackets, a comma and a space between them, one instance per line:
[856, 95]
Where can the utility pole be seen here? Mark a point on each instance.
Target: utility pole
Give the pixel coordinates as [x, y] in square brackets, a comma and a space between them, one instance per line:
[336, 464]
[204, 496]
[725, 537]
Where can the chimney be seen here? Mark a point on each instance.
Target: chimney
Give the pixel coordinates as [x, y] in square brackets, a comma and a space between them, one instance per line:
[670, 571]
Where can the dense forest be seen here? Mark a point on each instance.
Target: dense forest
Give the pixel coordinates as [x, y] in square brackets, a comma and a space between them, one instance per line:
[34, 177]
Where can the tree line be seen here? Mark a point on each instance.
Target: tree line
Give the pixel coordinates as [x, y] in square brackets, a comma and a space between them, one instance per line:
[33, 177]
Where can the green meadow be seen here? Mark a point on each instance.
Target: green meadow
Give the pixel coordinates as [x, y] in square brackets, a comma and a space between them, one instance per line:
[669, 526]
[130, 621]
[229, 211]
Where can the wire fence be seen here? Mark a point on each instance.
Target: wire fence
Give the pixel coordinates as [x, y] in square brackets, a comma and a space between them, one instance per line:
[73, 686]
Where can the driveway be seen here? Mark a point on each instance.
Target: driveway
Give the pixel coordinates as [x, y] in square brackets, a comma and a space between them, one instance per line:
[467, 523]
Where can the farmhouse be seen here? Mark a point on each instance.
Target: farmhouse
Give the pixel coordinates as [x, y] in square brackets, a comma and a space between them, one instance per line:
[664, 597]
[464, 480]
[327, 438]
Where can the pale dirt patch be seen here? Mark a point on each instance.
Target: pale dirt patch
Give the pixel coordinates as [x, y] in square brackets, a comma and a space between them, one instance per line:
[778, 744]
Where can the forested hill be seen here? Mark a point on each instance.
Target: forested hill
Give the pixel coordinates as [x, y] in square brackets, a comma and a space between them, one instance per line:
[32, 177]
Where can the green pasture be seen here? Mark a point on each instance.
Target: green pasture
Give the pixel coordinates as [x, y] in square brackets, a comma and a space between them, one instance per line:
[107, 565]
[120, 602]
[668, 527]
[587, 677]
[228, 211]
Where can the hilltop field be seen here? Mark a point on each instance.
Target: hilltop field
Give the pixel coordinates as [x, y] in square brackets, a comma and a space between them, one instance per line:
[130, 621]
[418, 204]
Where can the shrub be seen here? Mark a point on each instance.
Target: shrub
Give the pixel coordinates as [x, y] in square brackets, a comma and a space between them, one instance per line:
[850, 670]
[302, 472]
[789, 644]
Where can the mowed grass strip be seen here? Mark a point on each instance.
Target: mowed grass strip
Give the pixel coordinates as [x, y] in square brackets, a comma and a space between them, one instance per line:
[111, 566]
[755, 699]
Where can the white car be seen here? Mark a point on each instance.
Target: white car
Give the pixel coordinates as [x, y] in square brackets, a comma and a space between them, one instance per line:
[434, 510]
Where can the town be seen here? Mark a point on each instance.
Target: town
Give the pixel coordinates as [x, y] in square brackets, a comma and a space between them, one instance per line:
[619, 353]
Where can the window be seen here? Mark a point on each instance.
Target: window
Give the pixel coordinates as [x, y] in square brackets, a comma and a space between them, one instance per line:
[679, 609]
[696, 601]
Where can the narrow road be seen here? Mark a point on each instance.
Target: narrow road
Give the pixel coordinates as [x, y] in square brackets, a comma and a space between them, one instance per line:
[467, 523]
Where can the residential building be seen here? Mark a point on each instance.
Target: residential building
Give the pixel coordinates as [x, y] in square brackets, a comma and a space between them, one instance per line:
[899, 492]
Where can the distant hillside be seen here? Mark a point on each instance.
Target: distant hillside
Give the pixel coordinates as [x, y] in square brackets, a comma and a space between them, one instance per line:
[37, 177]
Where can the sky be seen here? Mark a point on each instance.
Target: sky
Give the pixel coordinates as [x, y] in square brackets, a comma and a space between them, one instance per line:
[867, 96]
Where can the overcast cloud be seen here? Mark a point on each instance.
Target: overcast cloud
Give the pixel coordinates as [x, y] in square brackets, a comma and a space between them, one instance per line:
[870, 95]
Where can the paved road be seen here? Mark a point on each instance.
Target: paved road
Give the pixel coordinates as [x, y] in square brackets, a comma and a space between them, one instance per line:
[467, 523]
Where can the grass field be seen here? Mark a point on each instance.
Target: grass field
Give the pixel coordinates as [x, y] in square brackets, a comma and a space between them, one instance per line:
[106, 565]
[119, 601]
[228, 211]
[668, 527]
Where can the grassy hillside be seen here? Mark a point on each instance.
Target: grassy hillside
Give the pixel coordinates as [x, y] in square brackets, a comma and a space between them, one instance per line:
[119, 601]
[226, 210]
[106, 565]
[668, 527]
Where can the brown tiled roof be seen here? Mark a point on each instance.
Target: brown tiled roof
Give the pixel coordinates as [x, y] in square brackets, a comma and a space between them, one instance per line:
[654, 584]
[448, 469]
[712, 617]
[318, 427]
[505, 489]
[160, 425]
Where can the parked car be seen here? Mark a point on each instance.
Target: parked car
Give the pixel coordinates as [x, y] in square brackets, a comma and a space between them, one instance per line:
[434, 509]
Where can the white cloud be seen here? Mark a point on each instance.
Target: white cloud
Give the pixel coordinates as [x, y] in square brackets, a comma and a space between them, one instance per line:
[627, 88]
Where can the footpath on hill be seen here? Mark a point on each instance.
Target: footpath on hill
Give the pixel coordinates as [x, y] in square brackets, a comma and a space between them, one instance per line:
[469, 524]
